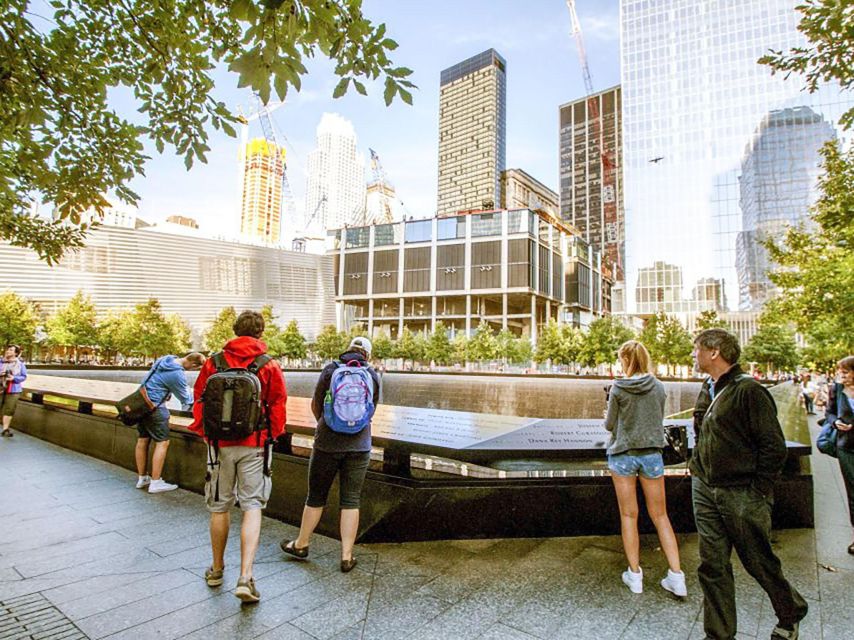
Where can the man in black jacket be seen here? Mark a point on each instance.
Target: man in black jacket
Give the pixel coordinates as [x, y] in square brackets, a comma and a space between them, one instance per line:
[740, 451]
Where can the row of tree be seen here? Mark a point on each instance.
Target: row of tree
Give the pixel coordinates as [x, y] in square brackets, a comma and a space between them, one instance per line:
[146, 331]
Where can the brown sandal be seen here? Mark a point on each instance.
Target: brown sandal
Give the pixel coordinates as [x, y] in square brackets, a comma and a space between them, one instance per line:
[290, 547]
[348, 565]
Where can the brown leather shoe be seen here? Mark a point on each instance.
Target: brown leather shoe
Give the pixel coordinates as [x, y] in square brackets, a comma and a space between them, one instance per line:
[348, 565]
[290, 547]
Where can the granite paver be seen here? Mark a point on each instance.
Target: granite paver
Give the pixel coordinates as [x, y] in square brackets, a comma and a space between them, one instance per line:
[118, 563]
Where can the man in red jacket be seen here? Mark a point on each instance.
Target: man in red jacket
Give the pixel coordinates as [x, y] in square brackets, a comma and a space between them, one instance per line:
[239, 474]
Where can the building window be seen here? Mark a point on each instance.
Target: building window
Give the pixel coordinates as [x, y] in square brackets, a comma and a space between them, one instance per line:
[486, 224]
[486, 265]
[385, 271]
[450, 267]
[451, 228]
[386, 234]
[355, 274]
[419, 231]
[517, 221]
[416, 269]
[357, 238]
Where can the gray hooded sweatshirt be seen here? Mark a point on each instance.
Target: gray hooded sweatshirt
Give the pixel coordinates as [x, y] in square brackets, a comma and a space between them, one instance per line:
[635, 415]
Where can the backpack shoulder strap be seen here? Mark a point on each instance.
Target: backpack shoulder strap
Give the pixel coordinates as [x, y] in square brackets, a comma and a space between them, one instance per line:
[259, 362]
[220, 363]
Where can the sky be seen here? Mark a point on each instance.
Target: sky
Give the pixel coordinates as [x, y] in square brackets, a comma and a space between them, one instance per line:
[543, 72]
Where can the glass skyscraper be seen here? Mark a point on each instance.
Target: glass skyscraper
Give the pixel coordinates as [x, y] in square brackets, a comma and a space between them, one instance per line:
[696, 106]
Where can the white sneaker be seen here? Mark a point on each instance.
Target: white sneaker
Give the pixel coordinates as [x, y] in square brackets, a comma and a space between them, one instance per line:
[675, 583]
[160, 485]
[634, 581]
[143, 481]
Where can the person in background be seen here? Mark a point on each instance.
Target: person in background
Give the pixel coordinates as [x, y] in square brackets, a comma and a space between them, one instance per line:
[14, 373]
[167, 376]
[808, 393]
[635, 418]
[840, 413]
[335, 453]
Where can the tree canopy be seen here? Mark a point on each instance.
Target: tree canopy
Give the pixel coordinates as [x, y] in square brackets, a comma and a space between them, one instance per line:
[292, 342]
[75, 324]
[605, 336]
[221, 330]
[772, 346]
[60, 140]
[667, 341]
[19, 319]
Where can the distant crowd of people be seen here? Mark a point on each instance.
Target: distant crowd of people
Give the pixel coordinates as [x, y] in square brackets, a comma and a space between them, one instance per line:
[239, 408]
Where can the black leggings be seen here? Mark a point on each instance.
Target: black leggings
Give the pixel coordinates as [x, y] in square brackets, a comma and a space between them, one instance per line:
[322, 468]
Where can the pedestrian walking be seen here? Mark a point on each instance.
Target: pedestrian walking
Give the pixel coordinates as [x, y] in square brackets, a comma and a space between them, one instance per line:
[739, 453]
[840, 414]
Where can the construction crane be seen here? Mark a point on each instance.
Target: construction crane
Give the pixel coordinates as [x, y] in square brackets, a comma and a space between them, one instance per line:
[608, 165]
[380, 180]
[300, 241]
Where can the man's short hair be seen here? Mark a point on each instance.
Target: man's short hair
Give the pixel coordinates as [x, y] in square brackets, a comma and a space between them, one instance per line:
[15, 348]
[195, 358]
[847, 363]
[722, 341]
[249, 323]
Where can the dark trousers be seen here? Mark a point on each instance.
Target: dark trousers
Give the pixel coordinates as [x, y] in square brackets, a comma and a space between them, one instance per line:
[808, 404]
[738, 517]
[351, 468]
[846, 465]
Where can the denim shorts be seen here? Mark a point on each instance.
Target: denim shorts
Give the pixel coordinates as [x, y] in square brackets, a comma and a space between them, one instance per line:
[155, 425]
[649, 465]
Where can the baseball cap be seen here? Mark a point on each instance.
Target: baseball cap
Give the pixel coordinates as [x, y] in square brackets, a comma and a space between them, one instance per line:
[361, 343]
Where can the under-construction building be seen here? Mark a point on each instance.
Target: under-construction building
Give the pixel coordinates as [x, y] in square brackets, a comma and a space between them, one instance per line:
[591, 154]
[261, 206]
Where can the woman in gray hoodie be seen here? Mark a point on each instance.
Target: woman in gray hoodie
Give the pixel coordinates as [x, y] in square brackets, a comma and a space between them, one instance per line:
[635, 418]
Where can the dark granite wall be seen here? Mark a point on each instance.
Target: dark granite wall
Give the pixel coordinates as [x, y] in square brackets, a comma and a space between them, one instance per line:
[536, 397]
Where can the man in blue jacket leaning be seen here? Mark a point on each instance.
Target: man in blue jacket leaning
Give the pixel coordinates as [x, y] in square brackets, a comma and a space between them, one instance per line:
[167, 376]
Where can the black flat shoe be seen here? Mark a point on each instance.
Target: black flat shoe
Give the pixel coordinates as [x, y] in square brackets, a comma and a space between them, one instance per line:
[851, 548]
[290, 547]
[348, 565]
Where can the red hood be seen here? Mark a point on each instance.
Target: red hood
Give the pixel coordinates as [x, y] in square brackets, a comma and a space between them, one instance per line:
[244, 348]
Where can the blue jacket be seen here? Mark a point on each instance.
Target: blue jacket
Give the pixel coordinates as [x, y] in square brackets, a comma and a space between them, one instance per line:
[169, 377]
[17, 383]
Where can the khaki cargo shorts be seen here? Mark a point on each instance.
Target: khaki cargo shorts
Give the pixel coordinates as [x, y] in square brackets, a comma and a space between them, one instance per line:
[238, 478]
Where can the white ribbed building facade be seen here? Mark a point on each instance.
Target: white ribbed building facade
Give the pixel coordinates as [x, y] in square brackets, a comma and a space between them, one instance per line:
[336, 176]
[193, 277]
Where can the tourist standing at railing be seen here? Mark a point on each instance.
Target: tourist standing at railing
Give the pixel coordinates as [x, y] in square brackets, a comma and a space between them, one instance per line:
[739, 453]
[346, 455]
[166, 377]
[14, 373]
[840, 413]
[635, 418]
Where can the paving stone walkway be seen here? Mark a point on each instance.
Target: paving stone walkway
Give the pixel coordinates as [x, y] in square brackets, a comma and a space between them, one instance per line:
[85, 554]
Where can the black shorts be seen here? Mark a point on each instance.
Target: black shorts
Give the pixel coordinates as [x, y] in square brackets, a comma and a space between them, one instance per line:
[10, 401]
[155, 425]
[350, 467]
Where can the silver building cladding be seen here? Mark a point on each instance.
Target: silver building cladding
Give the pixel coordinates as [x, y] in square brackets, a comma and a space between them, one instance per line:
[191, 276]
[694, 100]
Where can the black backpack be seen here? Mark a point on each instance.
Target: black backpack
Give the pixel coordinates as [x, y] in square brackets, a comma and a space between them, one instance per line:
[232, 407]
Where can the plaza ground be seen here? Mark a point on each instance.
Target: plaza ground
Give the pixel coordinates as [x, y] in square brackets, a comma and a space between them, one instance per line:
[83, 554]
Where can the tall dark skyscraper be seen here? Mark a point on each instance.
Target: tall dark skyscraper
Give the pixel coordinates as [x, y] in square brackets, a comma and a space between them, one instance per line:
[591, 184]
[472, 138]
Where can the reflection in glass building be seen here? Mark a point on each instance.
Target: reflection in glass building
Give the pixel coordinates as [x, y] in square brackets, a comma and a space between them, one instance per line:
[778, 174]
[703, 151]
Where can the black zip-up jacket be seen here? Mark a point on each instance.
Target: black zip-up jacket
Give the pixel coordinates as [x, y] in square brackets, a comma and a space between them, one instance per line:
[838, 408]
[739, 440]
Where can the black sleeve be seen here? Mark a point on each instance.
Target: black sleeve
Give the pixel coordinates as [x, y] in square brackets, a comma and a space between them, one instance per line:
[704, 399]
[377, 383]
[764, 428]
[831, 409]
[321, 389]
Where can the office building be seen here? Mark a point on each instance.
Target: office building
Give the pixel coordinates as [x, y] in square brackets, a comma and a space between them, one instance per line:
[520, 190]
[513, 269]
[693, 97]
[261, 192]
[591, 184]
[192, 276]
[779, 172]
[335, 189]
[472, 138]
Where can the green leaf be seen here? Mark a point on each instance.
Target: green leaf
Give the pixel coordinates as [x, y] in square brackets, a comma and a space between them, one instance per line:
[405, 96]
[341, 88]
[390, 89]
[360, 87]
